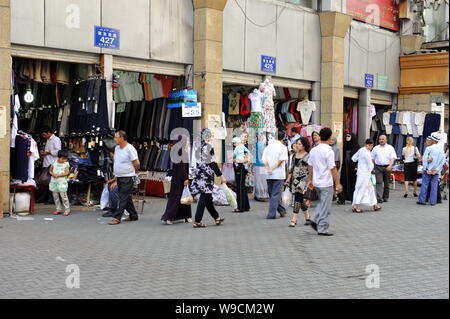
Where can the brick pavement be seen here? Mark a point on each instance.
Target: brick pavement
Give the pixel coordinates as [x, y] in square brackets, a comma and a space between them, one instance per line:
[247, 257]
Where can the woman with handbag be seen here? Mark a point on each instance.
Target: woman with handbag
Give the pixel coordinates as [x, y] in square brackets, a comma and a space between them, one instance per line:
[364, 189]
[175, 210]
[411, 156]
[298, 178]
[203, 182]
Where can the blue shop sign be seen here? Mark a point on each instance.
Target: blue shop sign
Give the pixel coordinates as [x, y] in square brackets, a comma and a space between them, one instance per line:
[107, 38]
[268, 64]
[368, 81]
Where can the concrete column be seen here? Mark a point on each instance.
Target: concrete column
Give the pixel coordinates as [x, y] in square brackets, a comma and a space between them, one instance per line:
[410, 43]
[106, 62]
[5, 92]
[315, 97]
[208, 58]
[364, 120]
[334, 26]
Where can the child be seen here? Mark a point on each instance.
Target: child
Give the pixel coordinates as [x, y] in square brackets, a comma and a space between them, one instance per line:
[59, 171]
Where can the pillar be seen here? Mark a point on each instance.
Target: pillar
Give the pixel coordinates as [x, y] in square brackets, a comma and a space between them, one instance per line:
[364, 119]
[333, 26]
[315, 97]
[106, 62]
[5, 92]
[208, 58]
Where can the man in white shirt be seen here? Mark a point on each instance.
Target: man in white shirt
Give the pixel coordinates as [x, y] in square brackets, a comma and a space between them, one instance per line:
[274, 158]
[50, 155]
[322, 174]
[126, 165]
[384, 157]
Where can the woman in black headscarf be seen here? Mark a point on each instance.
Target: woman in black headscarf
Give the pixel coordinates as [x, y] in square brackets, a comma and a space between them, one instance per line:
[203, 182]
[348, 169]
[180, 178]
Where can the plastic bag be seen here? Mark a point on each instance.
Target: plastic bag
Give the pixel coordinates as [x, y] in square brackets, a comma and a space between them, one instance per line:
[286, 197]
[373, 179]
[231, 198]
[186, 197]
[104, 199]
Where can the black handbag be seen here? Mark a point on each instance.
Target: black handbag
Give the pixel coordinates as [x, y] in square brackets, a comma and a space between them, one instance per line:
[312, 195]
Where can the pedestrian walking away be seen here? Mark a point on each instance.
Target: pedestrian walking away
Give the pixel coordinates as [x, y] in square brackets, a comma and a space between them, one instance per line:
[298, 179]
[203, 182]
[274, 158]
[433, 162]
[59, 171]
[411, 157]
[384, 157]
[321, 174]
[126, 166]
[364, 190]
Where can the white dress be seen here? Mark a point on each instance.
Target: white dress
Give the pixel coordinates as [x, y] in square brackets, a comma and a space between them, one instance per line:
[364, 191]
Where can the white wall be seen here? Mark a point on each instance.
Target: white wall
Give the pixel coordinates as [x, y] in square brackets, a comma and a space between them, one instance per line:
[374, 51]
[290, 34]
[157, 29]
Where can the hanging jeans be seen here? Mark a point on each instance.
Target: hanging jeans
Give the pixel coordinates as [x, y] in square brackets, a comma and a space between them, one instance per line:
[205, 201]
[275, 189]
[242, 193]
[429, 181]
[125, 185]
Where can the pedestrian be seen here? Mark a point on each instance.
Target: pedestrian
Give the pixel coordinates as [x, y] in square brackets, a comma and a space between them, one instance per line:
[241, 157]
[364, 190]
[384, 157]
[337, 158]
[59, 171]
[274, 157]
[50, 155]
[321, 174]
[175, 210]
[315, 139]
[203, 182]
[293, 139]
[411, 157]
[126, 166]
[298, 179]
[348, 170]
[433, 162]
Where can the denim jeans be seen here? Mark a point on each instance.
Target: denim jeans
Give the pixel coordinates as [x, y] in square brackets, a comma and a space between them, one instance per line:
[275, 190]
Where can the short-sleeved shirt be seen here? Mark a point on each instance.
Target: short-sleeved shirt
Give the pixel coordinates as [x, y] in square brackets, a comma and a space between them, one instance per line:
[382, 155]
[240, 151]
[53, 146]
[123, 161]
[321, 159]
[274, 153]
[410, 154]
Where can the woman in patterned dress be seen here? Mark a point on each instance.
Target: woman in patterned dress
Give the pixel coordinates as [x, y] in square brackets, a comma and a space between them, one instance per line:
[203, 182]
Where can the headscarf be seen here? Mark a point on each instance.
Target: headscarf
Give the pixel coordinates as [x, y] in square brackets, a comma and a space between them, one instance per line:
[352, 145]
[335, 148]
[206, 151]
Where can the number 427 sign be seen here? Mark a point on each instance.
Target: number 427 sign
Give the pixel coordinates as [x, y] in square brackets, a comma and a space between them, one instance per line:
[107, 38]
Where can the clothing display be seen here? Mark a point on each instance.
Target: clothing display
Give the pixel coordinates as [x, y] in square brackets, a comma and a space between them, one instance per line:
[268, 106]
[306, 108]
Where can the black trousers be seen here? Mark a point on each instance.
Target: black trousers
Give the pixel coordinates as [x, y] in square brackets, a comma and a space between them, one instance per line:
[242, 193]
[125, 186]
[205, 201]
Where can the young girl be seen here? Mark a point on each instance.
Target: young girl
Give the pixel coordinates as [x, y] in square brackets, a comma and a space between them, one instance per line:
[58, 183]
[297, 179]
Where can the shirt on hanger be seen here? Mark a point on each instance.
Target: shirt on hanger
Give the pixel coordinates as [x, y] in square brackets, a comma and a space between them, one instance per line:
[306, 108]
[234, 99]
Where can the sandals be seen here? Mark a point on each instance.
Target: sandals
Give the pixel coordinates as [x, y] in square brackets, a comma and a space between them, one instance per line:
[56, 213]
[219, 221]
[188, 220]
[293, 223]
[308, 222]
[237, 211]
[114, 222]
[357, 210]
[66, 214]
[198, 225]
[376, 208]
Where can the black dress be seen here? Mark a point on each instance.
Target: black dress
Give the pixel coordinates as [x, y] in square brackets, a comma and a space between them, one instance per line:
[348, 170]
[174, 209]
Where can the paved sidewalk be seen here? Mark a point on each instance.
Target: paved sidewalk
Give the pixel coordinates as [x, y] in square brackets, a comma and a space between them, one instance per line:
[247, 257]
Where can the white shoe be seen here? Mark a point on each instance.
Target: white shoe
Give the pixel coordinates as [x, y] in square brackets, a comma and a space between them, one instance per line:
[188, 220]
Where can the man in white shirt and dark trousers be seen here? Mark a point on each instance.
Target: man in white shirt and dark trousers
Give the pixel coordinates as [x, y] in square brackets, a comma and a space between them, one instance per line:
[50, 155]
[322, 173]
[274, 158]
[126, 165]
[384, 157]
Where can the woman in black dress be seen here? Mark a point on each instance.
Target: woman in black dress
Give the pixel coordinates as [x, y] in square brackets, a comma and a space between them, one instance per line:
[348, 169]
[203, 182]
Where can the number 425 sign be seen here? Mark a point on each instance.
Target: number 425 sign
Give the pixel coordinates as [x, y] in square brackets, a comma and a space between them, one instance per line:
[107, 38]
